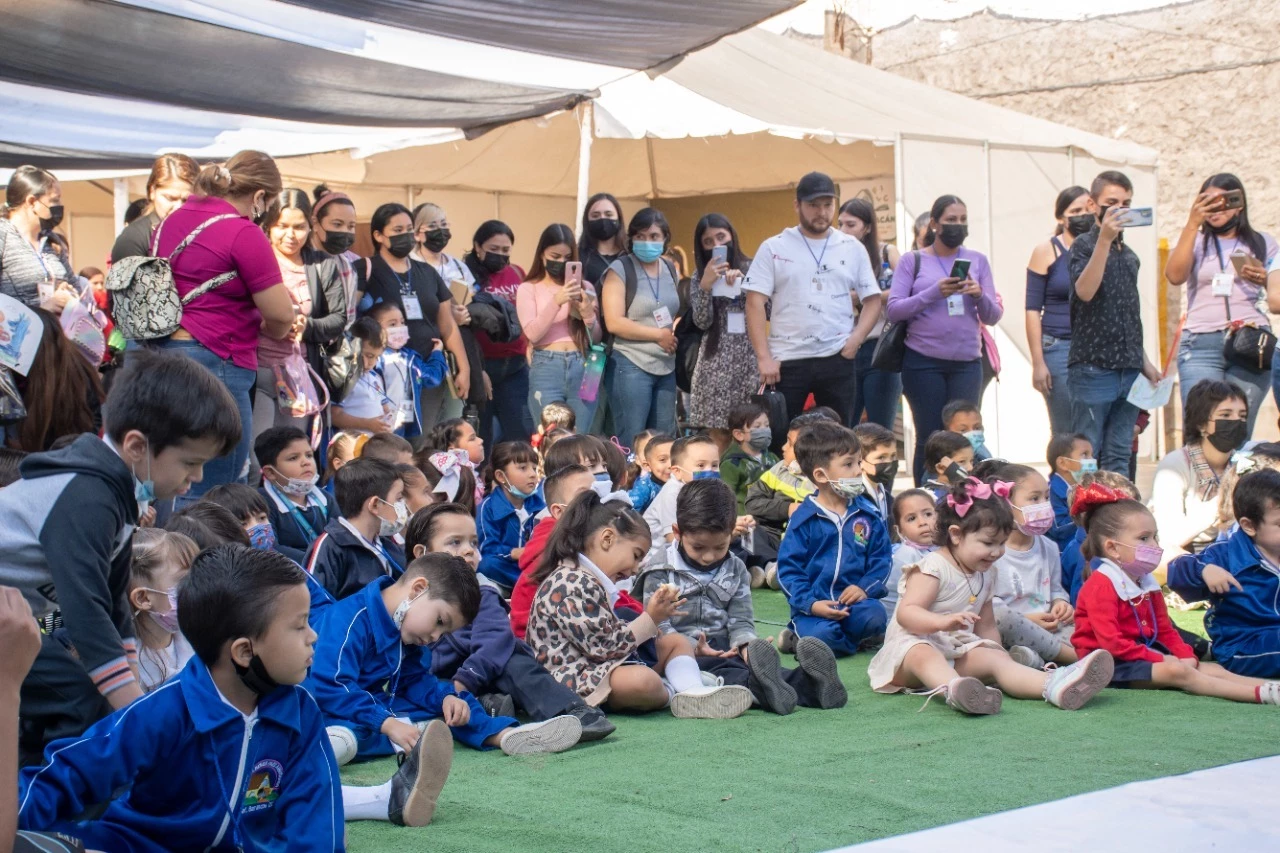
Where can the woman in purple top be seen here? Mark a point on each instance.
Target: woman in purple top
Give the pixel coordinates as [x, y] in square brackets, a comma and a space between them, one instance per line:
[943, 312]
[1218, 292]
[220, 329]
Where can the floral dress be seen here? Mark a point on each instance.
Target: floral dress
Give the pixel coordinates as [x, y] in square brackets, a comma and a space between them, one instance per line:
[727, 376]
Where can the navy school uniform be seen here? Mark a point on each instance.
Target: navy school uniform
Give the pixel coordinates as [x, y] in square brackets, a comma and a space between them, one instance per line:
[298, 527]
[487, 658]
[344, 562]
[200, 775]
[364, 673]
[821, 555]
[320, 601]
[1064, 529]
[501, 531]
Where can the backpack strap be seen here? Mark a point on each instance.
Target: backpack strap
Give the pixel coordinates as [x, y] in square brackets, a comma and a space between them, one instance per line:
[190, 238]
[631, 281]
[209, 285]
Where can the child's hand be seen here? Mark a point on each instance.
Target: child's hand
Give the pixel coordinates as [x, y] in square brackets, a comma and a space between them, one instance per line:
[148, 518]
[743, 525]
[1062, 610]
[437, 345]
[663, 603]
[828, 610]
[1219, 580]
[959, 621]
[516, 552]
[403, 735]
[455, 711]
[705, 649]
[852, 594]
[1047, 621]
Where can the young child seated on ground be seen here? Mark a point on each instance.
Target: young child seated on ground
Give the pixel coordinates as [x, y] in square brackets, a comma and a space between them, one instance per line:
[943, 637]
[1262, 455]
[449, 478]
[1070, 458]
[342, 449]
[747, 457]
[655, 470]
[1121, 610]
[507, 516]
[836, 556]
[484, 658]
[577, 636]
[1074, 568]
[388, 447]
[1032, 609]
[636, 466]
[460, 438]
[1240, 578]
[249, 508]
[554, 416]
[879, 464]
[160, 560]
[965, 418]
[358, 546]
[948, 459]
[297, 508]
[915, 519]
[693, 457]
[372, 677]
[718, 617]
[417, 488]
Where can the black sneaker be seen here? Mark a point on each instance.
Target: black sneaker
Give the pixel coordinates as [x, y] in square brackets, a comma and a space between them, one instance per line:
[422, 774]
[595, 725]
[766, 682]
[817, 661]
[498, 705]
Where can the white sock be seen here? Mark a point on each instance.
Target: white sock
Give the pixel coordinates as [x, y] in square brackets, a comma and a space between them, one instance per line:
[683, 673]
[671, 691]
[366, 803]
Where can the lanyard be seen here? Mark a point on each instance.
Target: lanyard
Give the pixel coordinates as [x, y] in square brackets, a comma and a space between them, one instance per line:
[307, 530]
[1217, 247]
[817, 259]
[945, 272]
[654, 286]
[1155, 630]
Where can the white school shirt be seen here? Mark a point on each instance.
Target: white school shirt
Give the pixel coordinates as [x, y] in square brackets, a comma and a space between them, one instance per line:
[812, 314]
[660, 515]
[1029, 581]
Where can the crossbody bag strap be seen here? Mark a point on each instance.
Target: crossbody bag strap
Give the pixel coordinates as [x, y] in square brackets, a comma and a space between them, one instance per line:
[190, 238]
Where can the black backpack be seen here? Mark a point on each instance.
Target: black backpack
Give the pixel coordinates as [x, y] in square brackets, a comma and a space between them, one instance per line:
[632, 281]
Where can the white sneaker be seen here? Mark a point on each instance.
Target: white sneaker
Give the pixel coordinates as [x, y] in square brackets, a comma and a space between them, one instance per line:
[722, 702]
[771, 575]
[1026, 657]
[757, 577]
[554, 735]
[1070, 687]
[1269, 693]
[343, 742]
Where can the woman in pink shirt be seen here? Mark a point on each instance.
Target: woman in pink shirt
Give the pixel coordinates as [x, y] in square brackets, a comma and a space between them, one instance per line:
[561, 322]
[220, 329]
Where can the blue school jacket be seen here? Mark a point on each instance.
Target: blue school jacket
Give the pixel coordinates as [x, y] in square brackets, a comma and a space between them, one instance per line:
[320, 601]
[298, 527]
[821, 555]
[1064, 529]
[362, 665]
[184, 754]
[1073, 565]
[500, 532]
[345, 562]
[477, 653]
[1237, 618]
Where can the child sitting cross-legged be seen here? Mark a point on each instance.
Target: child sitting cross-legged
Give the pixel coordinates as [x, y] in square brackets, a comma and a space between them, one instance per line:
[297, 508]
[915, 520]
[508, 514]
[717, 615]
[160, 560]
[358, 547]
[576, 634]
[944, 638]
[372, 676]
[484, 658]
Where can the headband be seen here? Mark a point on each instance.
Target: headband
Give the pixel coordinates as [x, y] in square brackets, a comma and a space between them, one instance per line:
[1093, 496]
[331, 196]
[973, 488]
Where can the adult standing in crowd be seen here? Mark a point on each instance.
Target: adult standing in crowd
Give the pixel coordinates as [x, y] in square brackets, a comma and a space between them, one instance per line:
[602, 241]
[878, 391]
[641, 301]
[35, 266]
[422, 297]
[1216, 238]
[220, 329]
[491, 315]
[561, 320]
[171, 182]
[1049, 304]
[725, 375]
[333, 231]
[814, 276]
[944, 313]
[1106, 329]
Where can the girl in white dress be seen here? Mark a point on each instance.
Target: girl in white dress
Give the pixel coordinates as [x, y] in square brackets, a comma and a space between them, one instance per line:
[943, 637]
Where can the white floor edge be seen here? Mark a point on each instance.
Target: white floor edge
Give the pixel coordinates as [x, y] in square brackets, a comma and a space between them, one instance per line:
[1233, 807]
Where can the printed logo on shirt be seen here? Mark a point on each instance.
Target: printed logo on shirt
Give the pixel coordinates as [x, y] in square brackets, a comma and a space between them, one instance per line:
[264, 785]
[861, 531]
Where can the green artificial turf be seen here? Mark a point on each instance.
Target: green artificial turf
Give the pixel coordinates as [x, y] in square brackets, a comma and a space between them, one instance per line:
[816, 779]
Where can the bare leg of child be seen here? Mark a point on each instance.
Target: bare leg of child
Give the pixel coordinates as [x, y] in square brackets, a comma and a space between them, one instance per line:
[670, 646]
[990, 665]
[1215, 670]
[1066, 654]
[924, 666]
[1202, 682]
[636, 688]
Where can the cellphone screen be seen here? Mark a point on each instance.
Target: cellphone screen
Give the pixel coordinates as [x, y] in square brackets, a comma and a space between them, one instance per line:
[960, 269]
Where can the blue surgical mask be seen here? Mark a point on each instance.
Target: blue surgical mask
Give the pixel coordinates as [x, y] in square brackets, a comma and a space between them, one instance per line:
[646, 250]
[517, 493]
[1087, 466]
[976, 438]
[262, 536]
[706, 475]
[144, 491]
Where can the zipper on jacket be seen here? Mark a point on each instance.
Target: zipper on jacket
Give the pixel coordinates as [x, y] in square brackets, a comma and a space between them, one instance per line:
[233, 807]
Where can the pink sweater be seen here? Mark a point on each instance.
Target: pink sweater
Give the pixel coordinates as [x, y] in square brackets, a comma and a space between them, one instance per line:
[544, 322]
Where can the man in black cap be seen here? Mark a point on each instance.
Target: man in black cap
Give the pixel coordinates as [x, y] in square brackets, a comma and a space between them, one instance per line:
[815, 276]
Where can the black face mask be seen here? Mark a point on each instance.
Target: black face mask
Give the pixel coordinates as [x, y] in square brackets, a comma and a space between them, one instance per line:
[337, 242]
[555, 269]
[1228, 435]
[437, 238]
[256, 677]
[55, 217]
[1230, 225]
[886, 473]
[955, 474]
[494, 262]
[693, 564]
[952, 234]
[602, 229]
[400, 245]
[1082, 224]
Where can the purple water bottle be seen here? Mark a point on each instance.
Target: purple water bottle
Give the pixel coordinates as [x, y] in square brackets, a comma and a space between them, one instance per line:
[591, 374]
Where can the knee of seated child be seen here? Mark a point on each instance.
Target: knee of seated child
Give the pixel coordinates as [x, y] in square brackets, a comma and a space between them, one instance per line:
[674, 643]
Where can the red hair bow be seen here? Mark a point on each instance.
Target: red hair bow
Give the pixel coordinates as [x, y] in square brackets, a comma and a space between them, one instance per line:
[975, 488]
[1094, 495]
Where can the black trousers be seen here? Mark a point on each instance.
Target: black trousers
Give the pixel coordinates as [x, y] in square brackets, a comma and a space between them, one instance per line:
[58, 700]
[833, 381]
[534, 690]
[735, 671]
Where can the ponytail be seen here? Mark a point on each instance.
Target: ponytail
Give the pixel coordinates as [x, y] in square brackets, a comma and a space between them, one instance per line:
[582, 518]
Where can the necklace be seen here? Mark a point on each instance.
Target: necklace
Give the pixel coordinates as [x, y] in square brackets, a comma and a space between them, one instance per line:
[973, 596]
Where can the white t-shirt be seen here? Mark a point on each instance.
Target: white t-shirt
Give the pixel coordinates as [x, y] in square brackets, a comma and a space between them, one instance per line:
[810, 283]
[368, 396]
[1029, 581]
[660, 515]
[156, 666]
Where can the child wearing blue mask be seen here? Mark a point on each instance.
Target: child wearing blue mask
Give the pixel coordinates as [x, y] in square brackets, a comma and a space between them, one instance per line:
[509, 513]
[965, 418]
[1070, 459]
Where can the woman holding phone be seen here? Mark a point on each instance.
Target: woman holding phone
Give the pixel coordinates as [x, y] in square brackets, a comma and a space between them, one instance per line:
[560, 316]
[1223, 262]
[944, 292]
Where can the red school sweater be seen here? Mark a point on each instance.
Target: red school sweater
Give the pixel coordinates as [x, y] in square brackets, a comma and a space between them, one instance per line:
[1106, 621]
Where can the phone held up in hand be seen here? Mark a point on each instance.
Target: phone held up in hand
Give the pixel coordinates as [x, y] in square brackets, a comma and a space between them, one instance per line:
[1233, 200]
[960, 269]
[1135, 217]
[720, 255]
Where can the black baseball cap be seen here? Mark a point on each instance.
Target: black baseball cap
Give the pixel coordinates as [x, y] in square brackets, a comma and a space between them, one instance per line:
[815, 185]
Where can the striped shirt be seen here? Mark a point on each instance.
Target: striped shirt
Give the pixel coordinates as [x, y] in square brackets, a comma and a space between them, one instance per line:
[23, 269]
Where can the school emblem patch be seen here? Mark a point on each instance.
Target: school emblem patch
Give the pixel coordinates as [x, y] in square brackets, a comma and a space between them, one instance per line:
[861, 530]
[264, 785]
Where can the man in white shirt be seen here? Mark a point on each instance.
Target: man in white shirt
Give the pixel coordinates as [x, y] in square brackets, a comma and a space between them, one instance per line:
[815, 276]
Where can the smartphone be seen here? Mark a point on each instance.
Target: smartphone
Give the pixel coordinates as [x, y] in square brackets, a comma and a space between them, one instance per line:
[960, 269]
[1136, 217]
[720, 255]
[1239, 260]
[1233, 200]
[573, 272]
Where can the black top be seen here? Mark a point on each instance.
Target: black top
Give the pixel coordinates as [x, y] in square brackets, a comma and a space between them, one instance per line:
[1107, 331]
[423, 284]
[594, 266]
[135, 240]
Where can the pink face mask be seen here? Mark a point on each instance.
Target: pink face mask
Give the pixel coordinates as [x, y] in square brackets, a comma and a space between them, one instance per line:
[397, 336]
[1037, 519]
[1146, 558]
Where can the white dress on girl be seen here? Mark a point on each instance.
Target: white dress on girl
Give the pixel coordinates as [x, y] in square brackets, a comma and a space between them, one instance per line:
[957, 592]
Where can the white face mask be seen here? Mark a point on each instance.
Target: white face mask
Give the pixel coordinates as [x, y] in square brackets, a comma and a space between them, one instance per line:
[397, 336]
[402, 611]
[391, 528]
[298, 486]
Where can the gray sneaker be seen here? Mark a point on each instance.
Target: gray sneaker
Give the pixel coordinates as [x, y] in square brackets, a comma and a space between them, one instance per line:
[787, 641]
[554, 735]
[711, 703]
[771, 575]
[766, 682]
[817, 661]
[422, 774]
[1027, 657]
[498, 705]
[757, 577]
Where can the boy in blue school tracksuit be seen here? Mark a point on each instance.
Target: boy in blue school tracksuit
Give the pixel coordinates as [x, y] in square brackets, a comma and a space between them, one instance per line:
[372, 676]
[357, 548]
[508, 515]
[296, 507]
[836, 556]
[1070, 457]
[1240, 578]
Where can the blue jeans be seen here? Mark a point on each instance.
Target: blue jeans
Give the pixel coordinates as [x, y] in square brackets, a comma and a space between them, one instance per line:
[877, 391]
[510, 379]
[1200, 357]
[556, 377]
[929, 384]
[1100, 409]
[234, 467]
[1058, 400]
[641, 400]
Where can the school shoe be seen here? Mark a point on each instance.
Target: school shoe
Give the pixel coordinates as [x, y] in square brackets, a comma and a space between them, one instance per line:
[1070, 687]
[757, 577]
[817, 661]
[498, 705]
[1026, 657]
[765, 682]
[422, 774]
[554, 735]
[711, 702]
[771, 575]
[343, 742]
[595, 725]
[787, 641]
[1269, 693]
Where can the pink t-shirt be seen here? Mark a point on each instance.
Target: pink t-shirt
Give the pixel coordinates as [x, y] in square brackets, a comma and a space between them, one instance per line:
[271, 351]
[544, 322]
[225, 320]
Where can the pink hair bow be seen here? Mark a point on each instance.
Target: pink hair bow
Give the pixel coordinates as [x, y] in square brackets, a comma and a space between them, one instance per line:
[974, 488]
[449, 466]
